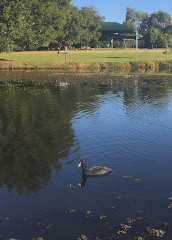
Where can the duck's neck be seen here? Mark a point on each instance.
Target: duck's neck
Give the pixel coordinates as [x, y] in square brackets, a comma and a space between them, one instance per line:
[83, 168]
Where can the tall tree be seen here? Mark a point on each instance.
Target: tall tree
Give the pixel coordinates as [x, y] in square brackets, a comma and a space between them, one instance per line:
[134, 18]
[160, 20]
[153, 36]
[90, 25]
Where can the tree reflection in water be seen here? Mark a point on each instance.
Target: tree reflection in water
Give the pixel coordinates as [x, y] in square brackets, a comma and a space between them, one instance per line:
[36, 132]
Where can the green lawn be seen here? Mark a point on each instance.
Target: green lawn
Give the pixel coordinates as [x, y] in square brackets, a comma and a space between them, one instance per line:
[49, 58]
[115, 55]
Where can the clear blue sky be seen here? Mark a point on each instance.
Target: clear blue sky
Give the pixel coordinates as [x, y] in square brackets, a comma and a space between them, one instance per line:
[115, 10]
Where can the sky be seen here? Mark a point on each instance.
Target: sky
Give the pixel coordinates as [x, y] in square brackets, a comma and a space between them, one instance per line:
[115, 10]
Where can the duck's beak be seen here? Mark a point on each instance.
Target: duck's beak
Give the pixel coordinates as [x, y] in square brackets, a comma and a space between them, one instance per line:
[79, 164]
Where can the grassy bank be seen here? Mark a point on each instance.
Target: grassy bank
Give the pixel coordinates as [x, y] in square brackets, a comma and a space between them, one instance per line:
[96, 60]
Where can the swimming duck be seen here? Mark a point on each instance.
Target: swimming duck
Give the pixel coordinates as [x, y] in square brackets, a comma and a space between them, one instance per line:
[94, 171]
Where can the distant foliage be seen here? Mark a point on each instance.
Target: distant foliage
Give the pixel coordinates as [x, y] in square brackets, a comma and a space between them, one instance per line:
[43, 24]
[155, 28]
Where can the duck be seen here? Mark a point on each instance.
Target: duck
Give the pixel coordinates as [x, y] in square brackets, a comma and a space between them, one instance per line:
[94, 171]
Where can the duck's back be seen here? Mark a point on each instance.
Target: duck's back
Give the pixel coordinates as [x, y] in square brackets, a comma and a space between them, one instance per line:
[97, 170]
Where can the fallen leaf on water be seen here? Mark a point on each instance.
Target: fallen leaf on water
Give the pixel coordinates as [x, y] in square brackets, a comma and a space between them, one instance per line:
[13, 239]
[127, 176]
[40, 224]
[48, 226]
[83, 237]
[125, 227]
[170, 198]
[170, 206]
[166, 224]
[70, 211]
[43, 226]
[88, 213]
[129, 220]
[156, 232]
[72, 187]
[139, 218]
[39, 238]
[121, 232]
[137, 180]
[101, 217]
[119, 197]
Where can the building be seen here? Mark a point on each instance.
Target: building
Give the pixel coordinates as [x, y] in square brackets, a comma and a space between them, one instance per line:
[112, 31]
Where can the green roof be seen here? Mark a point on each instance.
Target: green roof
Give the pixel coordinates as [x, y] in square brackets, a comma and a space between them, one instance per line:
[115, 27]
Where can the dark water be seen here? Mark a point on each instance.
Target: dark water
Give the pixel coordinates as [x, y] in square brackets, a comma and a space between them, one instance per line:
[48, 126]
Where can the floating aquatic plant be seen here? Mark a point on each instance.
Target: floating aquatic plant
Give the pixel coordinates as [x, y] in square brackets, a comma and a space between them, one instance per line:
[137, 180]
[83, 237]
[130, 220]
[70, 211]
[101, 217]
[156, 232]
[125, 227]
[122, 232]
[88, 213]
[127, 176]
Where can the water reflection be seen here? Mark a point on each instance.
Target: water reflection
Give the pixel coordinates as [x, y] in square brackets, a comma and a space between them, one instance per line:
[83, 182]
[147, 91]
[36, 133]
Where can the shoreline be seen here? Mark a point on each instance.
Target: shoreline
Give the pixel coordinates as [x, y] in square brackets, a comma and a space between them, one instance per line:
[90, 66]
[96, 60]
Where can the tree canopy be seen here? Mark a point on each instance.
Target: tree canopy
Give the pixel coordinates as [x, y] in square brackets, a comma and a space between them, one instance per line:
[154, 27]
[42, 24]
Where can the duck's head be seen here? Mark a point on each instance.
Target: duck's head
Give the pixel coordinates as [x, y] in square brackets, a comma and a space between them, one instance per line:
[82, 163]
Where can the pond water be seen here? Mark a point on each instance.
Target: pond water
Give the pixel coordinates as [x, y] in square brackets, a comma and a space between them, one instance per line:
[49, 123]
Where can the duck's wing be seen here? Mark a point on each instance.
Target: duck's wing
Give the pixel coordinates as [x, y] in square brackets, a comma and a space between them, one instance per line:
[99, 170]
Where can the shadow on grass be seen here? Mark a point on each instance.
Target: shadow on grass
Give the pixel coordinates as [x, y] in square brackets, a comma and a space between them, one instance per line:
[115, 57]
[6, 60]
